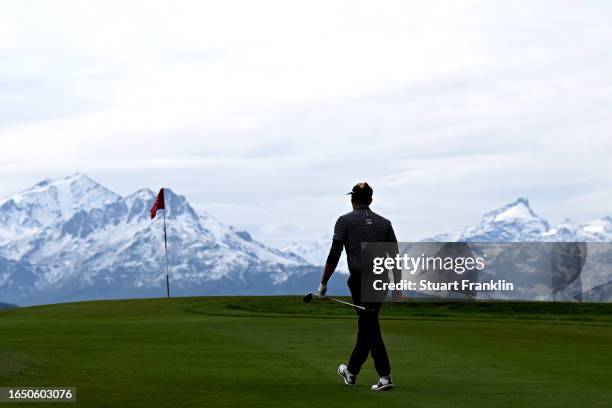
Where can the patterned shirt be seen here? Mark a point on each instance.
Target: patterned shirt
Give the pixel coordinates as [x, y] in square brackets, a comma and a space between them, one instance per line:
[355, 227]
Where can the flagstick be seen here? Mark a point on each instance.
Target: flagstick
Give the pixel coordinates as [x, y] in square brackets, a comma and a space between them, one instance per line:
[166, 246]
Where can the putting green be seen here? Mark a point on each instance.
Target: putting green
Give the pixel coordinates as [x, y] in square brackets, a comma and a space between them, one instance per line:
[279, 352]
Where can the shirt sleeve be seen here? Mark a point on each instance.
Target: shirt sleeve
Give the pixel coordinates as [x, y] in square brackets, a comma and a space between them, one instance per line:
[341, 230]
[340, 235]
[334, 253]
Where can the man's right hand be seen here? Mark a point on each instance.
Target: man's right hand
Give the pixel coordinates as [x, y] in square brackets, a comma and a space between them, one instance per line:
[322, 290]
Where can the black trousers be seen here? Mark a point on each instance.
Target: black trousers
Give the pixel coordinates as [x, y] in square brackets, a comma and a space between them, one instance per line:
[369, 336]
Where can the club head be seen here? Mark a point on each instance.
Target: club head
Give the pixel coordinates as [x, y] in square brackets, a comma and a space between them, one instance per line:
[308, 298]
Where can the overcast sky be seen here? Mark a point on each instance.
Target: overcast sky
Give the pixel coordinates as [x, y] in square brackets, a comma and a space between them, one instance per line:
[265, 113]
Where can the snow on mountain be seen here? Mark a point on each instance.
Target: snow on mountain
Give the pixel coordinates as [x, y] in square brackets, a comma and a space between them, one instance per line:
[316, 252]
[530, 266]
[517, 222]
[72, 238]
[566, 231]
[597, 231]
[513, 222]
[49, 202]
[542, 272]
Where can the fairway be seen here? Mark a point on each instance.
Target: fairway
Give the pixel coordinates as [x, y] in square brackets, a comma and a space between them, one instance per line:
[279, 352]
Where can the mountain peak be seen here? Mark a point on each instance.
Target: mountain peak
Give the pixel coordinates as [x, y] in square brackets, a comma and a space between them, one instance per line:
[74, 233]
[50, 201]
[143, 193]
[76, 179]
[516, 210]
[522, 201]
[519, 202]
[513, 222]
[43, 183]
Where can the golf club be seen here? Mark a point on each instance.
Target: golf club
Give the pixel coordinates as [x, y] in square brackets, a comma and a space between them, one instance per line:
[309, 296]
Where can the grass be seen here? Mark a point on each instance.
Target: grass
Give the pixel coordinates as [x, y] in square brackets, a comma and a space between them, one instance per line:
[279, 352]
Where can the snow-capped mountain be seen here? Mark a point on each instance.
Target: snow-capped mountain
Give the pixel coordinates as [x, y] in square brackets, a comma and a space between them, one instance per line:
[594, 231]
[50, 202]
[73, 239]
[517, 222]
[316, 252]
[514, 222]
[557, 268]
[527, 265]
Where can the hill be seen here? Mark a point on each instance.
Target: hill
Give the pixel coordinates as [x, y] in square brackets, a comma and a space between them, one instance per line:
[279, 352]
[6, 305]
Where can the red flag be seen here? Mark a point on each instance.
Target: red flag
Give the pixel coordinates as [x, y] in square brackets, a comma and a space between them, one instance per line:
[158, 204]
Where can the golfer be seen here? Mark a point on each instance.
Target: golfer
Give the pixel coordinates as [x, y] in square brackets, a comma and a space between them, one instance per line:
[353, 228]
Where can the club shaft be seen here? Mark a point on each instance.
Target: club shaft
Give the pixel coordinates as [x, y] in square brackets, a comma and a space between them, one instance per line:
[345, 303]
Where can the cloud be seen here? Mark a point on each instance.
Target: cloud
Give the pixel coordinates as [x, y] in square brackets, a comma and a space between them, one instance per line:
[267, 112]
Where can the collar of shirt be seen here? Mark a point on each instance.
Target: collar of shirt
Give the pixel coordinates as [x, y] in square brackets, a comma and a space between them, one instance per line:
[362, 207]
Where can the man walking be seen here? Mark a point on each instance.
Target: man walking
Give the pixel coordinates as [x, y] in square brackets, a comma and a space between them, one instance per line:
[353, 228]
